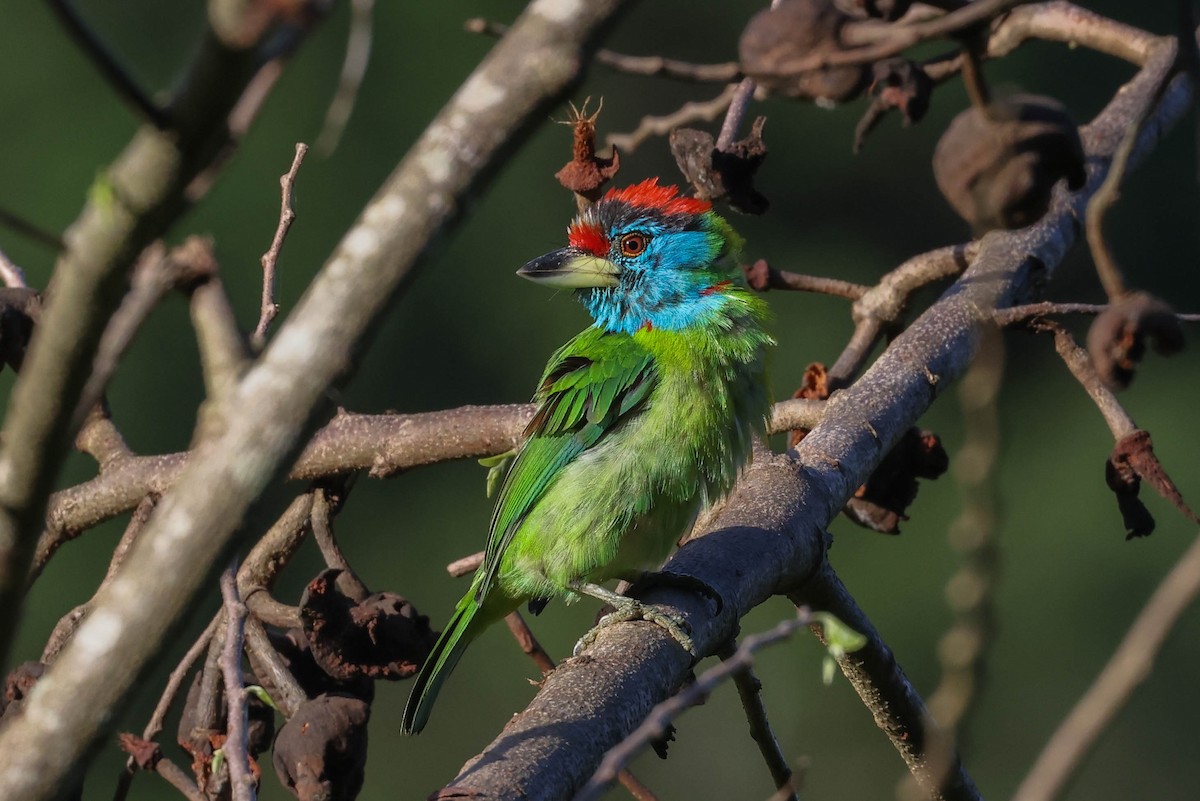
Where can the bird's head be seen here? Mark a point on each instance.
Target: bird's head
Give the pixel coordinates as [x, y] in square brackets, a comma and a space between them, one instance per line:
[645, 257]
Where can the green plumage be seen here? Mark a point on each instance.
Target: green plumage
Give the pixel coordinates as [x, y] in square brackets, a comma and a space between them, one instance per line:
[633, 433]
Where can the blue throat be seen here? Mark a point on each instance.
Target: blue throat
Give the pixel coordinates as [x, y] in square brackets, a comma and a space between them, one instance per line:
[666, 303]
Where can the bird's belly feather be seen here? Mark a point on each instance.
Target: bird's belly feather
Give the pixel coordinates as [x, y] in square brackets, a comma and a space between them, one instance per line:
[621, 506]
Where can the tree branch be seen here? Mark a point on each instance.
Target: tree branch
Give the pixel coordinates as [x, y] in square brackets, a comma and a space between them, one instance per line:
[283, 394]
[769, 537]
[129, 206]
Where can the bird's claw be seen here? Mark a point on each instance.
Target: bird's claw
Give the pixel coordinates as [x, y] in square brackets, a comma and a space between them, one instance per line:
[682, 581]
[632, 609]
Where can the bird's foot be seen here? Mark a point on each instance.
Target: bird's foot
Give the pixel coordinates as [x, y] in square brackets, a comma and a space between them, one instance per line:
[645, 579]
[626, 609]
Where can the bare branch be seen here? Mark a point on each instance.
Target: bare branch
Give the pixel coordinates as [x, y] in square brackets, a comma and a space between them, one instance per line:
[282, 396]
[287, 215]
[762, 276]
[651, 66]
[1080, 365]
[1128, 667]
[354, 68]
[237, 754]
[129, 206]
[689, 112]
[895, 704]
[749, 690]
[122, 82]
[656, 723]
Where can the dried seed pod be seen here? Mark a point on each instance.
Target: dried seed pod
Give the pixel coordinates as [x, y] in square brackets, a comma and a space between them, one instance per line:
[998, 169]
[320, 753]
[1117, 338]
[881, 502]
[1132, 461]
[381, 637]
[896, 83]
[19, 309]
[198, 727]
[779, 43]
[292, 646]
[721, 175]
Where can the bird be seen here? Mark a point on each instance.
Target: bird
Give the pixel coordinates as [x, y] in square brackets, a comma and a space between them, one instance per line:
[640, 421]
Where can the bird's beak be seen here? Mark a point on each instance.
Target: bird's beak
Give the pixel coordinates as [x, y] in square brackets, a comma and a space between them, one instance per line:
[570, 269]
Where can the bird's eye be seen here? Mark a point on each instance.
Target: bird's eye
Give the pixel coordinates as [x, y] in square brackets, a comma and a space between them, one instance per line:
[634, 244]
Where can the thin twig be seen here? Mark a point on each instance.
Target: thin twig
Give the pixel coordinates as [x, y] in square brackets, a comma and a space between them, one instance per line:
[749, 690]
[287, 214]
[322, 528]
[354, 67]
[972, 73]
[1107, 267]
[66, 627]
[1128, 667]
[269, 666]
[1020, 314]
[689, 112]
[883, 304]
[174, 682]
[656, 724]
[529, 643]
[636, 65]
[154, 275]
[737, 109]
[17, 223]
[178, 778]
[894, 703]
[236, 749]
[112, 70]
[762, 276]
[1080, 365]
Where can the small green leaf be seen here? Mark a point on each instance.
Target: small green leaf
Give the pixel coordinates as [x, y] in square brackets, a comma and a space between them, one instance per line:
[218, 761]
[840, 640]
[262, 695]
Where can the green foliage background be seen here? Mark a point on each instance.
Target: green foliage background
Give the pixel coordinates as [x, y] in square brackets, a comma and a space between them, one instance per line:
[468, 332]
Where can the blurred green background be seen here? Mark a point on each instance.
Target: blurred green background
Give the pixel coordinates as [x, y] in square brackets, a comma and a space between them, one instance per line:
[469, 332]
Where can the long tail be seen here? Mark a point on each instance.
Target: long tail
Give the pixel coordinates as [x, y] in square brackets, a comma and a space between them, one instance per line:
[461, 629]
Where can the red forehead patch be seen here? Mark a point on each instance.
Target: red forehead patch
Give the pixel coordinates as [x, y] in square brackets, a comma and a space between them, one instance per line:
[588, 238]
[649, 195]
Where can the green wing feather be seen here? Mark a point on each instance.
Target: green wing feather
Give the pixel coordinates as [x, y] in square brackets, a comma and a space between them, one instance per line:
[591, 385]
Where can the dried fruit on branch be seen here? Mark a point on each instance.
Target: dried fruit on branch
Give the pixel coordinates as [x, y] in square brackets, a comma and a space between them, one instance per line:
[722, 175]
[19, 308]
[1117, 338]
[382, 637]
[779, 46]
[1131, 461]
[896, 83]
[880, 504]
[586, 173]
[998, 168]
[320, 753]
